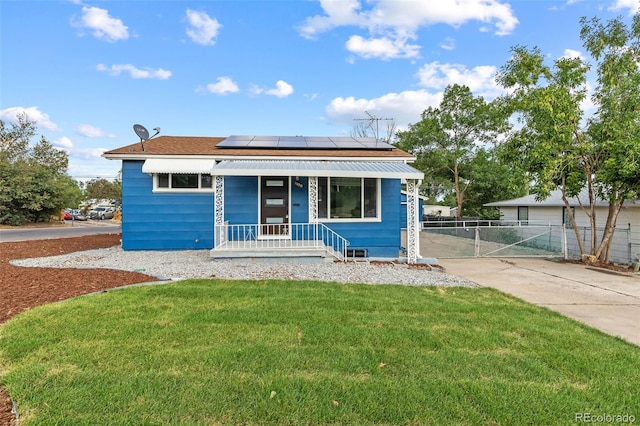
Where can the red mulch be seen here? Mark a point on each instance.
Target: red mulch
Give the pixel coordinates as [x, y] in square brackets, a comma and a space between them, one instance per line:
[23, 288]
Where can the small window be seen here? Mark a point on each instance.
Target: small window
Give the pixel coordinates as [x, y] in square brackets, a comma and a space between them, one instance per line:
[184, 181]
[163, 180]
[167, 182]
[206, 181]
[523, 214]
[370, 198]
[322, 197]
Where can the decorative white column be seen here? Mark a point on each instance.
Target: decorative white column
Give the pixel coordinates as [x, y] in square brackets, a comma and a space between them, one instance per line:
[313, 199]
[413, 219]
[219, 201]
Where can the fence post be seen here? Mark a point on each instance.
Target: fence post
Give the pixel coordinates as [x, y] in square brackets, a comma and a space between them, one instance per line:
[477, 241]
[565, 248]
[629, 244]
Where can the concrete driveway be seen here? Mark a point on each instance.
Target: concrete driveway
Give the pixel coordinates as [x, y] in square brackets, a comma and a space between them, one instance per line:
[605, 300]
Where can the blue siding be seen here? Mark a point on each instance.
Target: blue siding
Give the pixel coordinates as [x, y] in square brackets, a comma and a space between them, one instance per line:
[156, 221]
[381, 239]
[241, 200]
[162, 221]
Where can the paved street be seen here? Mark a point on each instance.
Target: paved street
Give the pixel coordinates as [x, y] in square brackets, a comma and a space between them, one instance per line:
[77, 229]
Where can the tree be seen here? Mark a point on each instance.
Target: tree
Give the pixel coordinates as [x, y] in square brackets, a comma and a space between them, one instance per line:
[597, 158]
[448, 138]
[615, 129]
[102, 189]
[33, 181]
[493, 180]
[550, 145]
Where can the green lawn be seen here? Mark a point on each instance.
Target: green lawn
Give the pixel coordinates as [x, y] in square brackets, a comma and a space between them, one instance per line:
[273, 352]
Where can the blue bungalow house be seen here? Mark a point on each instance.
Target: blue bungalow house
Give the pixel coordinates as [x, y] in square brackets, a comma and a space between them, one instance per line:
[250, 196]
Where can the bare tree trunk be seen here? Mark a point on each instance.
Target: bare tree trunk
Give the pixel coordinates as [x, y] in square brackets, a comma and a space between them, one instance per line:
[592, 211]
[456, 179]
[603, 251]
[572, 219]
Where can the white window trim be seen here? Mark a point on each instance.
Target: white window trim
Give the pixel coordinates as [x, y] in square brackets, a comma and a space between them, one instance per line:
[198, 190]
[378, 217]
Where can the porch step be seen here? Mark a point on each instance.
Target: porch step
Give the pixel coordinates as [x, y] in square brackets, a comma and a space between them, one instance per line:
[269, 248]
[271, 253]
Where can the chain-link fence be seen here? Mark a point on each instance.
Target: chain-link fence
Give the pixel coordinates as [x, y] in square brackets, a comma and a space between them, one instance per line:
[481, 238]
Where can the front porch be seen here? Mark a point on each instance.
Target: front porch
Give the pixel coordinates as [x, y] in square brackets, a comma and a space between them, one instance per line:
[313, 208]
[282, 240]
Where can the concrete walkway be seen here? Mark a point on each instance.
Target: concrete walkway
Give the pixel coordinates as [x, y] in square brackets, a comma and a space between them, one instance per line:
[605, 300]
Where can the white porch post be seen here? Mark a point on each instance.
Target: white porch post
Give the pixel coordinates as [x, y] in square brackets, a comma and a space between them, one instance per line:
[313, 199]
[219, 197]
[413, 219]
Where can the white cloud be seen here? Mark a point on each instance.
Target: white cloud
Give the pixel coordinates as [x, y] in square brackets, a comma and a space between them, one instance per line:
[282, 90]
[480, 79]
[338, 13]
[384, 48]
[448, 44]
[633, 6]
[222, 86]
[404, 107]
[41, 119]
[390, 23]
[63, 142]
[202, 28]
[570, 54]
[88, 153]
[93, 132]
[103, 26]
[134, 72]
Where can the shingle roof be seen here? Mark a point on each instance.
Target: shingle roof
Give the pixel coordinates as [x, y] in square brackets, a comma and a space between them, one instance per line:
[207, 146]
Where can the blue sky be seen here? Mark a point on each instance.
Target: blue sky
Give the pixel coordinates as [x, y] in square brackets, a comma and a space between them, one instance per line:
[87, 71]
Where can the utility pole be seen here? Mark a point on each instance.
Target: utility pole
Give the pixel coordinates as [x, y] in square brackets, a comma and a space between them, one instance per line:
[371, 120]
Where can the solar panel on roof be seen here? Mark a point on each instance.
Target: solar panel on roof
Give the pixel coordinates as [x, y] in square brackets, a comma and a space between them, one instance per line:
[349, 145]
[260, 143]
[290, 143]
[301, 142]
[235, 144]
[321, 145]
[239, 138]
[376, 145]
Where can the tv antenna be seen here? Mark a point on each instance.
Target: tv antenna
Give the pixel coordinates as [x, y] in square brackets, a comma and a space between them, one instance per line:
[371, 120]
[143, 133]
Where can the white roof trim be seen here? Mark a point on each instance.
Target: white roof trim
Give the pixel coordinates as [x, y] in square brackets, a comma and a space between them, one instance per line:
[174, 165]
[373, 169]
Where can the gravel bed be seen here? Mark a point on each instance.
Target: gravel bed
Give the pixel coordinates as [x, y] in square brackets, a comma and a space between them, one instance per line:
[198, 264]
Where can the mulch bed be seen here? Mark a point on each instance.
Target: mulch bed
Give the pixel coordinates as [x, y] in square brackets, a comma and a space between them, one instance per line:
[23, 288]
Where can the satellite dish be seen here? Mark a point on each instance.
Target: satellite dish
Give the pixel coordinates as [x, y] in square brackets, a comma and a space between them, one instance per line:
[141, 131]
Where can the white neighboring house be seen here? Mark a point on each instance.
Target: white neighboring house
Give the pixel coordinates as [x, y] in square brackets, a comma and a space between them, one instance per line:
[552, 211]
[436, 210]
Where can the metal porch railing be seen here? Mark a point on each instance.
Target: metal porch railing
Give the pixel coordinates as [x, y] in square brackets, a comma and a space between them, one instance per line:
[288, 236]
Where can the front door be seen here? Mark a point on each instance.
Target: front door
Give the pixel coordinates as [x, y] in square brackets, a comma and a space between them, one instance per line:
[274, 206]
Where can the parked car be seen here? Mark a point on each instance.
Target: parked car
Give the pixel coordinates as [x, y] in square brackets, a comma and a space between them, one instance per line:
[67, 215]
[101, 213]
[76, 215]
